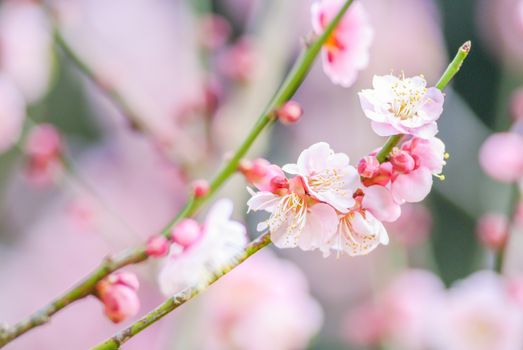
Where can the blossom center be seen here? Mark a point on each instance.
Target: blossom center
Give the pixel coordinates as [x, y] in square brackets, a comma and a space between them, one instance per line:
[407, 98]
[328, 180]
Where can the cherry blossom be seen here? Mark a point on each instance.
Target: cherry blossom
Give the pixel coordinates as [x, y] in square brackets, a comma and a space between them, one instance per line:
[222, 238]
[399, 105]
[263, 304]
[501, 158]
[479, 314]
[327, 176]
[413, 183]
[347, 50]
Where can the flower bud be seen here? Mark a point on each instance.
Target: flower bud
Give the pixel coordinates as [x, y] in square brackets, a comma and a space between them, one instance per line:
[239, 61]
[43, 143]
[501, 157]
[186, 232]
[381, 177]
[289, 113]
[368, 166]
[118, 294]
[215, 31]
[261, 173]
[492, 230]
[200, 188]
[157, 246]
[402, 161]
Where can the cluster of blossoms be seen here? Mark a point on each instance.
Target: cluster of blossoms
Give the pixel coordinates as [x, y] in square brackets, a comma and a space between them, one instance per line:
[415, 312]
[328, 204]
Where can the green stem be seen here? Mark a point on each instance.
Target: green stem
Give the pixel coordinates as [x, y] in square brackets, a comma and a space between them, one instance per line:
[284, 93]
[452, 69]
[179, 299]
[138, 254]
[454, 66]
[500, 256]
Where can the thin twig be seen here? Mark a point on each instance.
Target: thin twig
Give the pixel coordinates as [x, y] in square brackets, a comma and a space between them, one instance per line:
[179, 299]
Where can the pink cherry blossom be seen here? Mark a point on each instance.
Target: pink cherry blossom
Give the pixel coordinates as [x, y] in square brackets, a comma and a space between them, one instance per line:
[492, 230]
[479, 314]
[347, 50]
[402, 106]
[296, 220]
[415, 185]
[359, 233]
[401, 314]
[264, 303]
[118, 293]
[501, 158]
[222, 238]
[327, 176]
[12, 113]
[379, 201]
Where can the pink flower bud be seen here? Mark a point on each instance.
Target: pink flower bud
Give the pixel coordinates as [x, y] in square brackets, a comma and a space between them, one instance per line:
[492, 230]
[43, 143]
[200, 188]
[368, 166]
[516, 105]
[186, 233]
[261, 172]
[402, 161]
[43, 149]
[157, 246]
[501, 156]
[382, 177]
[215, 31]
[239, 61]
[290, 112]
[127, 279]
[118, 294]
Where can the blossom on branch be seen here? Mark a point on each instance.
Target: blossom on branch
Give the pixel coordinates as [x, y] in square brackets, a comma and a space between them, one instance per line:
[399, 105]
[221, 239]
[347, 49]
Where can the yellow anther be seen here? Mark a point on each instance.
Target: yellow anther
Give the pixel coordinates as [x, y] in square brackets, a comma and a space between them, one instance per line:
[446, 155]
[440, 176]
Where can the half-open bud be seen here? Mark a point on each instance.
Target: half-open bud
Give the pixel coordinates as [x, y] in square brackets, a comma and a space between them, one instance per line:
[402, 161]
[263, 175]
[492, 230]
[118, 294]
[200, 188]
[157, 246]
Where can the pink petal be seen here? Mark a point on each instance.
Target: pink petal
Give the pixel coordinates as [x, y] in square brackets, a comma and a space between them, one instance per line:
[412, 187]
[379, 201]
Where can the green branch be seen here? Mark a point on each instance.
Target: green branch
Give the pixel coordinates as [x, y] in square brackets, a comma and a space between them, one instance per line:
[137, 255]
[452, 69]
[172, 303]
